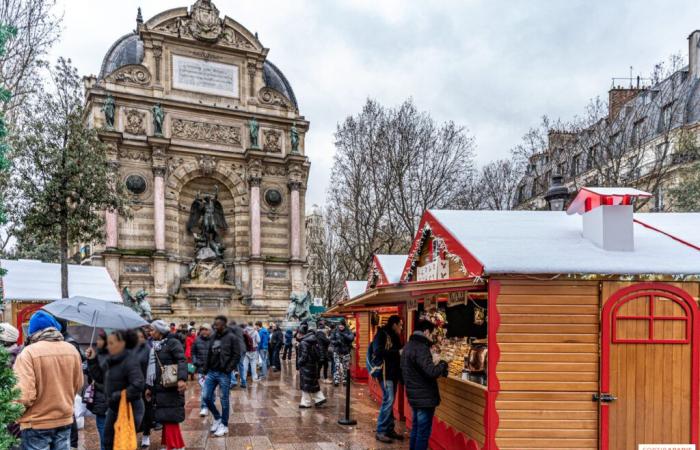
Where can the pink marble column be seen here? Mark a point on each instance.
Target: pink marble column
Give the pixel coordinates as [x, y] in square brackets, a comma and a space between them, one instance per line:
[159, 207]
[254, 215]
[111, 228]
[295, 220]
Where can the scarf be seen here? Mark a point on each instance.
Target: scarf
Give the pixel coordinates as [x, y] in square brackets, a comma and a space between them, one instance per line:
[49, 334]
[151, 370]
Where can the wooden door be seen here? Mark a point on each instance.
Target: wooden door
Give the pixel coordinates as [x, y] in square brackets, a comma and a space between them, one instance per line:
[649, 367]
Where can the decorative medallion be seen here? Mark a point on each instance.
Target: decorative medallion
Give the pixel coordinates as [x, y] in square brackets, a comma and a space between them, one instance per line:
[207, 132]
[273, 197]
[272, 97]
[272, 142]
[131, 74]
[207, 164]
[135, 120]
[205, 24]
[136, 184]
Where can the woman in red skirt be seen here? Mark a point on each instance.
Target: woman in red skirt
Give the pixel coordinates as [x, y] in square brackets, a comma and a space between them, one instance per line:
[169, 402]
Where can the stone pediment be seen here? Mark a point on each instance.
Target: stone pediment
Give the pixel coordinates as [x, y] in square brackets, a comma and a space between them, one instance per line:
[202, 23]
[273, 97]
[135, 74]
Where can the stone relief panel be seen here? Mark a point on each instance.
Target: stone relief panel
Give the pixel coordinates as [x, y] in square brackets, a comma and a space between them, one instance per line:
[135, 121]
[131, 74]
[206, 132]
[134, 155]
[272, 141]
[271, 97]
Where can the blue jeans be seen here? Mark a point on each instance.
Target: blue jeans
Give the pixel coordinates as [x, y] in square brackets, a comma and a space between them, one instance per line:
[422, 427]
[223, 380]
[264, 355]
[51, 439]
[250, 359]
[385, 421]
[100, 424]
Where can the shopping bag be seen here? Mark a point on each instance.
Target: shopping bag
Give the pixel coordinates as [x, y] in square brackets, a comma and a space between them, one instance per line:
[124, 427]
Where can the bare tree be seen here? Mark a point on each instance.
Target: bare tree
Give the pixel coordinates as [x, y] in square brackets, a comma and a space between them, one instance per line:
[498, 184]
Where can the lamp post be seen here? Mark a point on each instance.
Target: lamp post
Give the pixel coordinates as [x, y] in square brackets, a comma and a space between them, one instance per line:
[557, 194]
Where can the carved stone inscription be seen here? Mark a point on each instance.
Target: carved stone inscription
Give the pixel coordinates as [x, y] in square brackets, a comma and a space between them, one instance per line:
[209, 77]
[205, 131]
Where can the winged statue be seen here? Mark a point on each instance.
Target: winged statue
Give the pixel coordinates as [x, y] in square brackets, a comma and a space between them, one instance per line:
[207, 222]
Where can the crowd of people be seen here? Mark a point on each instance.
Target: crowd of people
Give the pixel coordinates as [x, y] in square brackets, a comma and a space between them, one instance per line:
[148, 369]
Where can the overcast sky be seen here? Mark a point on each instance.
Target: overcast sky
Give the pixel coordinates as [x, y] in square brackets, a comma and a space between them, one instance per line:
[494, 67]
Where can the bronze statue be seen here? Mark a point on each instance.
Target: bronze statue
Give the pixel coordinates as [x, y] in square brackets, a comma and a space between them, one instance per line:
[253, 128]
[138, 303]
[294, 134]
[207, 214]
[158, 117]
[108, 110]
[299, 307]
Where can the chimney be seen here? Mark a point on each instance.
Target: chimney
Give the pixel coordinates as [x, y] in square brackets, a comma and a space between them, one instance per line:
[608, 220]
[618, 97]
[694, 55]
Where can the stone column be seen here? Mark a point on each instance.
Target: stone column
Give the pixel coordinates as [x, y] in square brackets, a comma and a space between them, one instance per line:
[295, 220]
[159, 207]
[111, 221]
[254, 182]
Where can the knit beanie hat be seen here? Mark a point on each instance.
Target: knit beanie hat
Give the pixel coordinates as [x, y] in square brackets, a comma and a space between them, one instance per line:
[161, 326]
[205, 326]
[8, 333]
[42, 320]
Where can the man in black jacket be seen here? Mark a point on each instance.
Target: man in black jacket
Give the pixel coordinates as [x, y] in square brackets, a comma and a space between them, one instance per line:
[222, 358]
[420, 376]
[385, 353]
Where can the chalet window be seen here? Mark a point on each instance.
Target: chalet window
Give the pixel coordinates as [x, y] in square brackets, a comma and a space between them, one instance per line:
[651, 318]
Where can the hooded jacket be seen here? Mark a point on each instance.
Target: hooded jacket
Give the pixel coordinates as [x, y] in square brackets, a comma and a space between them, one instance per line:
[308, 362]
[342, 340]
[420, 374]
[117, 373]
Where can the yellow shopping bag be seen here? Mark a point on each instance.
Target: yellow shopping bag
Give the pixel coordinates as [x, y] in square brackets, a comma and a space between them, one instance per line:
[124, 427]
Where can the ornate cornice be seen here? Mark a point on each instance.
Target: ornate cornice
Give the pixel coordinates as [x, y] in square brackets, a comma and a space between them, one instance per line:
[254, 181]
[159, 171]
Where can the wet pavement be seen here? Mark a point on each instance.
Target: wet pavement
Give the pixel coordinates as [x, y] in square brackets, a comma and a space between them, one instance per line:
[266, 415]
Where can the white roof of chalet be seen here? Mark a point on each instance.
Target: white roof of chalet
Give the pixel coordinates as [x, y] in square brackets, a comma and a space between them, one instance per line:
[393, 266]
[683, 226]
[552, 242]
[31, 280]
[355, 288]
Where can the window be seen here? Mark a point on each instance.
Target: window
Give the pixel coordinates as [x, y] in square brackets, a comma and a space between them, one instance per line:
[651, 317]
[576, 165]
[665, 119]
[659, 200]
[636, 135]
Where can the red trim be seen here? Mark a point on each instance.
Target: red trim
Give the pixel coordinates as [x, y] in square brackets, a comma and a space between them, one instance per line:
[651, 318]
[609, 308]
[471, 263]
[358, 373]
[23, 313]
[444, 437]
[675, 238]
[491, 418]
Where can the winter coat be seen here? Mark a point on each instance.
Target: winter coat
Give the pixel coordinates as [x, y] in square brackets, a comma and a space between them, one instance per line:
[387, 348]
[169, 403]
[189, 341]
[223, 354]
[308, 359]
[238, 333]
[420, 374]
[288, 337]
[254, 336]
[116, 373]
[342, 340]
[200, 350]
[264, 338]
[277, 339]
[142, 353]
[323, 343]
[99, 400]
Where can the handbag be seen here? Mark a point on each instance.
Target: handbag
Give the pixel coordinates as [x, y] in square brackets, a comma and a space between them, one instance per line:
[168, 374]
[124, 427]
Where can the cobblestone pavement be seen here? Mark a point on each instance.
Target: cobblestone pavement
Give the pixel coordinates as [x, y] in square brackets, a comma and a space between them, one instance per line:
[266, 416]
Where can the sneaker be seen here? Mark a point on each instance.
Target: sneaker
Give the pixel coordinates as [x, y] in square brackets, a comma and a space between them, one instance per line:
[394, 435]
[215, 425]
[381, 437]
[203, 412]
[243, 386]
[221, 430]
[145, 441]
[320, 403]
[304, 406]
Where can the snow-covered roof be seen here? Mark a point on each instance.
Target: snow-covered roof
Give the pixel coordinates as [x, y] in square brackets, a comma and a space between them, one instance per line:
[683, 226]
[30, 280]
[552, 242]
[355, 288]
[392, 265]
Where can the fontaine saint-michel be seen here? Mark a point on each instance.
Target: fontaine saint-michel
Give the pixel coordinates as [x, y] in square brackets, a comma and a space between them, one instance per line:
[207, 136]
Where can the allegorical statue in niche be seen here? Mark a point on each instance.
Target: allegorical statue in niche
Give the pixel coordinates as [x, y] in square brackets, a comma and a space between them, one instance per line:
[108, 110]
[138, 303]
[207, 215]
[253, 128]
[158, 117]
[294, 138]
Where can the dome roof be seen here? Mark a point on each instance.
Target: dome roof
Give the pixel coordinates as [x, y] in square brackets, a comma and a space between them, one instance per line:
[128, 49]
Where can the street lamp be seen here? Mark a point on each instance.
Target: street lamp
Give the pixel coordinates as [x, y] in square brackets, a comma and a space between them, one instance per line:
[557, 194]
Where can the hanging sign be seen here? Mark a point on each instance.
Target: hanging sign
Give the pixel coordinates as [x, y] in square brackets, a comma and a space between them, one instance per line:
[437, 269]
[412, 304]
[457, 298]
[429, 303]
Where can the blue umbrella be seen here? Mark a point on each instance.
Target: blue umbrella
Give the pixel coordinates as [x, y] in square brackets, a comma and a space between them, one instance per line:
[95, 313]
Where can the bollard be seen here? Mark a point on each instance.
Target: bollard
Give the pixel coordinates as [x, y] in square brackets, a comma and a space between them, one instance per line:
[347, 420]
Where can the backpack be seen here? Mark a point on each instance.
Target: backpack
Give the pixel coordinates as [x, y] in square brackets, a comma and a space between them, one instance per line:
[249, 346]
[375, 365]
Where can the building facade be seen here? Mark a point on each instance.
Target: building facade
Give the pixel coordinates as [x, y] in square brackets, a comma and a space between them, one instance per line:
[207, 136]
[649, 137]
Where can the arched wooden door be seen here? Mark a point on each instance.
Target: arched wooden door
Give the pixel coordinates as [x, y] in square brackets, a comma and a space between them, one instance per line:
[649, 367]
